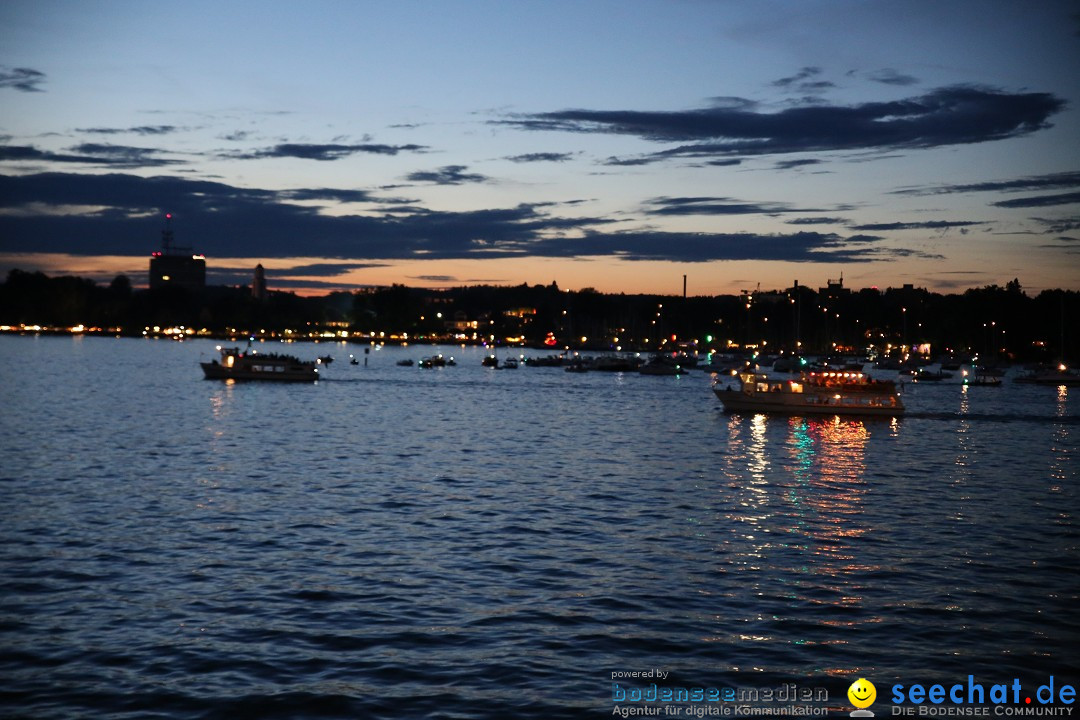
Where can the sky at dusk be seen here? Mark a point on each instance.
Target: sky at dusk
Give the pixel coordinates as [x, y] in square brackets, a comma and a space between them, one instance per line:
[613, 144]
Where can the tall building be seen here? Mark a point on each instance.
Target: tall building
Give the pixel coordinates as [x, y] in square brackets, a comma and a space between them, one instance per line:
[258, 284]
[176, 266]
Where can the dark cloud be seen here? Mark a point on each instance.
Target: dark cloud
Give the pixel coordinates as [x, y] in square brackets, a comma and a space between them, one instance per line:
[436, 278]
[817, 221]
[804, 82]
[323, 152]
[1040, 201]
[957, 279]
[706, 247]
[335, 194]
[447, 175]
[17, 153]
[123, 156]
[276, 279]
[628, 162]
[141, 130]
[23, 79]
[1071, 245]
[225, 221]
[1051, 181]
[114, 156]
[794, 164]
[716, 206]
[281, 283]
[928, 225]
[1059, 225]
[946, 116]
[540, 157]
[326, 269]
[888, 76]
[730, 102]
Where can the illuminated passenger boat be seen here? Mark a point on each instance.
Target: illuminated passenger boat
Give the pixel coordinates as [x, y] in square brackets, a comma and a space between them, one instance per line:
[819, 393]
[250, 365]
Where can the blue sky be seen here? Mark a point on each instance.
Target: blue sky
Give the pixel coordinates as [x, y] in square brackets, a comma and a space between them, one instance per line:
[617, 145]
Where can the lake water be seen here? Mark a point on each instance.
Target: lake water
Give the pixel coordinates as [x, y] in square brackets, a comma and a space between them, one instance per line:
[393, 542]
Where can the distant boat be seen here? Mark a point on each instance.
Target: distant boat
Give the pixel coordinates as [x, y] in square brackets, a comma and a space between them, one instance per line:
[435, 361]
[405, 363]
[982, 377]
[616, 363]
[725, 364]
[579, 365]
[250, 365]
[789, 364]
[490, 361]
[1060, 375]
[660, 365]
[924, 375]
[546, 361]
[509, 364]
[825, 393]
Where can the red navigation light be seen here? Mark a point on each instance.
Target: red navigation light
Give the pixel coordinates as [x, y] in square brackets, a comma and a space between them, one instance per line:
[168, 216]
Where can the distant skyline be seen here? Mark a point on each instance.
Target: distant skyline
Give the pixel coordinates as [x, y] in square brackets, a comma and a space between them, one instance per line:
[614, 144]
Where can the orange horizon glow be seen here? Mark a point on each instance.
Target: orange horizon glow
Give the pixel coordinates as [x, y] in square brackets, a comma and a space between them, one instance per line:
[606, 275]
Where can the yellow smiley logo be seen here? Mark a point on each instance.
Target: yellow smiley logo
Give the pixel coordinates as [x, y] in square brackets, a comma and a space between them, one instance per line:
[862, 693]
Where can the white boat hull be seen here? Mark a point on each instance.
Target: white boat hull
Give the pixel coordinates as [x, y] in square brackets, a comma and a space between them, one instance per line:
[809, 404]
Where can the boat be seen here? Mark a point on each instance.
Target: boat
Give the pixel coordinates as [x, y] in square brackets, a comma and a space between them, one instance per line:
[613, 362]
[925, 375]
[578, 365]
[660, 364]
[252, 365]
[1061, 375]
[546, 361]
[820, 393]
[435, 361]
[789, 364]
[982, 377]
[407, 362]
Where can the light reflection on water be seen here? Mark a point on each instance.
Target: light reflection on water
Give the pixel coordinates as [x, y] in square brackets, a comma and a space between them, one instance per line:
[405, 541]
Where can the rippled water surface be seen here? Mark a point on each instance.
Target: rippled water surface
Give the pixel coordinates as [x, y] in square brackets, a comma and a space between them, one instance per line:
[469, 543]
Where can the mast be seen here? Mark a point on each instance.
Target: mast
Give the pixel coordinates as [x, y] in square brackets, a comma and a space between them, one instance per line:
[167, 235]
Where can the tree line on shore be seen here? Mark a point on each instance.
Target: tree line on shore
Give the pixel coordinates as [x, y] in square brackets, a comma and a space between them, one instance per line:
[991, 321]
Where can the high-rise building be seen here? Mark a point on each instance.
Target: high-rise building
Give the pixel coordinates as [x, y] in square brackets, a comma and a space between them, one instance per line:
[258, 284]
[176, 266]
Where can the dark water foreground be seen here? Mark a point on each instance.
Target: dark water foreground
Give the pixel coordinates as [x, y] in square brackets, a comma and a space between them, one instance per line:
[468, 543]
